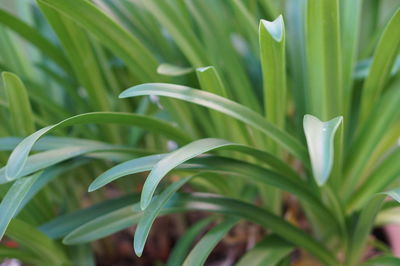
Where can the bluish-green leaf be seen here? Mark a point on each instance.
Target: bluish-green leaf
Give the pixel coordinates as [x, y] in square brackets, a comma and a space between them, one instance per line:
[320, 137]
[182, 247]
[20, 154]
[268, 251]
[223, 105]
[12, 200]
[200, 252]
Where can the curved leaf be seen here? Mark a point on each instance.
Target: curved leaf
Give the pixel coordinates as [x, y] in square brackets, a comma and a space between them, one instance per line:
[151, 213]
[13, 199]
[382, 119]
[19, 156]
[174, 159]
[365, 223]
[200, 252]
[45, 249]
[123, 218]
[48, 158]
[146, 163]
[182, 247]
[126, 168]
[64, 224]
[269, 251]
[379, 179]
[223, 105]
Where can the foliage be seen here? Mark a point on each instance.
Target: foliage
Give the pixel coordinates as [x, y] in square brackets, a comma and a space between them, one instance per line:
[236, 111]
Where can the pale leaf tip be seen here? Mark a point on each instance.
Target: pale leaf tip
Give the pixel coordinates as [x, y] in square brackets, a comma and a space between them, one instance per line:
[275, 28]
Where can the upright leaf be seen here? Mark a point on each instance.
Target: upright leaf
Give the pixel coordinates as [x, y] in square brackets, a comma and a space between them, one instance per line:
[34, 37]
[182, 247]
[268, 251]
[272, 49]
[320, 144]
[324, 67]
[18, 102]
[126, 46]
[384, 58]
[203, 248]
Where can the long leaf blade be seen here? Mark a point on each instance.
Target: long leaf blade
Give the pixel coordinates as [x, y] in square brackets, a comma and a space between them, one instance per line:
[223, 105]
[12, 200]
[19, 156]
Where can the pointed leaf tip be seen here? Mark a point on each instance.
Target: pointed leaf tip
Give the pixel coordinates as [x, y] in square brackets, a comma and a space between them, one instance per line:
[320, 137]
[275, 28]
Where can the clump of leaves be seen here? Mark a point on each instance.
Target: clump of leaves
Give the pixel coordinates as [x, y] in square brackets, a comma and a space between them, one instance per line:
[306, 104]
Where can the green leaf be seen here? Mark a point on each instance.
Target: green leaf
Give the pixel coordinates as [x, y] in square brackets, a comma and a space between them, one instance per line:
[82, 255]
[272, 49]
[151, 213]
[320, 137]
[13, 199]
[48, 158]
[380, 178]
[183, 246]
[104, 225]
[247, 20]
[194, 149]
[174, 159]
[20, 154]
[234, 168]
[295, 17]
[210, 81]
[324, 65]
[266, 219]
[382, 261]
[46, 250]
[350, 12]
[125, 217]
[48, 143]
[365, 223]
[18, 102]
[223, 105]
[268, 251]
[126, 168]
[35, 38]
[126, 46]
[363, 67]
[382, 118]
[64, 224]
[383, 60]
[179, 28]
[147, 163]
[77, 45]
[22, 255]
[203, 248]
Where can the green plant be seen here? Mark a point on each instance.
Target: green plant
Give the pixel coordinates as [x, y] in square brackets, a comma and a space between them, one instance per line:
[246, 137]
